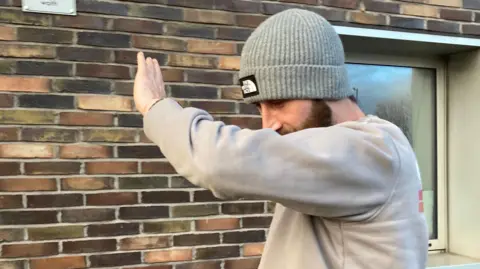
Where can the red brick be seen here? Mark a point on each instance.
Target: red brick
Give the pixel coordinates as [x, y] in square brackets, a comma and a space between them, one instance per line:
[248, 109]
[189, 30]
[7, 33]
[158, 43]
[172, 226]
[168, 255]
[45, 35]
[138, 25]
[105, 102]
[191, 61]
[28, 184]
[456, 15]
[87, 246]
[211, 47]
[54, 200]
[55, 232]
[242, 264]
[88, 215]
[419, 10]
[6, 100]
[217, 224]
[157, 168]
[112, 198]
[217, 252]
[27, 117]
[48, 135]
[236, 237]
[87, 183]
[444, 26]
[256, 222]
[29, 250]
[208, 16]
[11, 235]
[26, 151]
[368, 18]
[103, 71]
[351, 4]
[451, 3]
[111, 167]
[25, 217]
[86, 119]
[232, 93]
[196, 239]
[85, 151]
[81, 21]
[27, 51]
[194, 210]
[229, 63]
[9, 168]
[143, 212]
[126, 87]
[147, 242]
[471, 29]
[52, 168]
[115, 259]
[8, 134]
[172, 75]
[109, 135]
[72, 262]
[209, 77]
[243, 208]
[10, 201]
[113, 229]
[18, 264]
[381, 6]
[253, 249]
[24, 84]
[200, 265]
[253, 21]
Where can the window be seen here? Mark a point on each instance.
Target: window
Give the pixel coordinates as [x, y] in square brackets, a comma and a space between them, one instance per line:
[410, 93]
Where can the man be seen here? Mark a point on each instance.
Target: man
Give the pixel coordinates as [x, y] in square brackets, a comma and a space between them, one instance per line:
[346, 185]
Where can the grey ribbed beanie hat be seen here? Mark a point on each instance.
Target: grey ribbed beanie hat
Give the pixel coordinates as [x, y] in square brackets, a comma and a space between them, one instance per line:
[294, 54]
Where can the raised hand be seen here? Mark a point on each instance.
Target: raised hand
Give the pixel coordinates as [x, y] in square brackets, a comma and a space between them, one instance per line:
[149, 86]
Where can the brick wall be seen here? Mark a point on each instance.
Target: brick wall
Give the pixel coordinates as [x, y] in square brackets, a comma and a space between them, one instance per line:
[81, 186]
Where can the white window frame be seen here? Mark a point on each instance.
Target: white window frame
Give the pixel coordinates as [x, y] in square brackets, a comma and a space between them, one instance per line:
[439, 244]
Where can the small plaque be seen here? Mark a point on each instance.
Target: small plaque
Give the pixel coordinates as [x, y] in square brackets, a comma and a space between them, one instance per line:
[62, 7]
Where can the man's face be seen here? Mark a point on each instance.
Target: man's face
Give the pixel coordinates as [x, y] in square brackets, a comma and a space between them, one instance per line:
[287, 116]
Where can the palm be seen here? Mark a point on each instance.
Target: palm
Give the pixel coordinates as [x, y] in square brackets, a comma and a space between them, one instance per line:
[148, 86]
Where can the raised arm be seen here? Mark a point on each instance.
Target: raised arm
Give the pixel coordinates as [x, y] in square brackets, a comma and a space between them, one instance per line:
[345, 170]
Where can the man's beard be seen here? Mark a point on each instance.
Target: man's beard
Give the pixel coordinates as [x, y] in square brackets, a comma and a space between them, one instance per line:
[320, 116]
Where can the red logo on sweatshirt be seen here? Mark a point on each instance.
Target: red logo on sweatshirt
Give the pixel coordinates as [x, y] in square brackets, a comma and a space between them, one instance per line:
[420, 203]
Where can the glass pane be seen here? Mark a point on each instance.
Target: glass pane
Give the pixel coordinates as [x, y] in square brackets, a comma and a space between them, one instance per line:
[406, 97]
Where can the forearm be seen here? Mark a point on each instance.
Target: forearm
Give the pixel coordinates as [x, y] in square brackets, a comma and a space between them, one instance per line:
[334, 172]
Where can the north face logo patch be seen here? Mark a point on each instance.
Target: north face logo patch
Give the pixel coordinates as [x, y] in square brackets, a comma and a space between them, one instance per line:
[249, 86]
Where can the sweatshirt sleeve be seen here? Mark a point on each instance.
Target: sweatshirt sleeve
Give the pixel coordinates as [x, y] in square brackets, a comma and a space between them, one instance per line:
[340, 171]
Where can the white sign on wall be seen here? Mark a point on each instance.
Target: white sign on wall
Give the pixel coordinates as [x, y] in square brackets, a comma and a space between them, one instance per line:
[61, 7]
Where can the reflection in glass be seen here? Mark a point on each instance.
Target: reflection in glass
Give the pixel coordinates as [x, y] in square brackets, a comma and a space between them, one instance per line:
[406, 97]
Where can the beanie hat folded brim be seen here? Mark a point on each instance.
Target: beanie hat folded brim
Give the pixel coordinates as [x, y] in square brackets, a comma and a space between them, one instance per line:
[296, 82]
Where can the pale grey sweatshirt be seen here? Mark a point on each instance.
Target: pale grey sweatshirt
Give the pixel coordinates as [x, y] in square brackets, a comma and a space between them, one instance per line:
[347, 196]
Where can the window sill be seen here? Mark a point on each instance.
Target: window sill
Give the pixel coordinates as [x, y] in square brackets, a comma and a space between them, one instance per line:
[451, 261]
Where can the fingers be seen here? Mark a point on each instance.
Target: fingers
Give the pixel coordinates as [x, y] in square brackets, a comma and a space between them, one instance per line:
[140, 62]
[158, 72]
[150, 68]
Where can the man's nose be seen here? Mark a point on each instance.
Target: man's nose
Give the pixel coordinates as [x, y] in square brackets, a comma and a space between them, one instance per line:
[269, 120]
